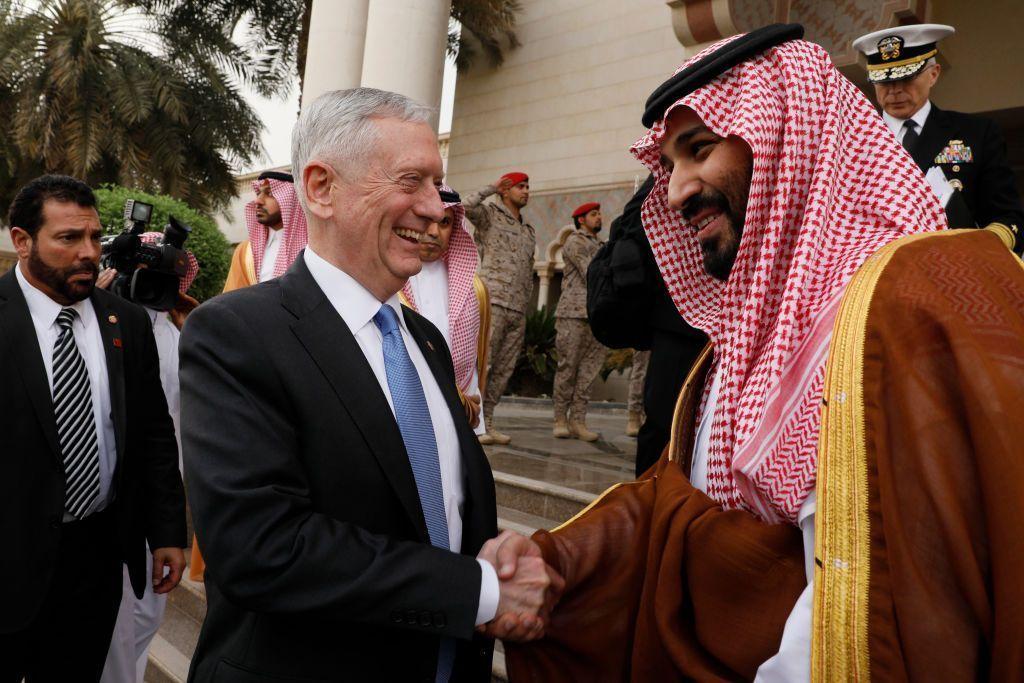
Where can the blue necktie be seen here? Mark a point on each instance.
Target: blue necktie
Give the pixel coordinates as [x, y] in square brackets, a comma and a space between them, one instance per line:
[417, 430]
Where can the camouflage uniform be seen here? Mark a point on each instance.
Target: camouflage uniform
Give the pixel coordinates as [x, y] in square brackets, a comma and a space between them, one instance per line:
[580, 355]
[637, 375]
[506, 267]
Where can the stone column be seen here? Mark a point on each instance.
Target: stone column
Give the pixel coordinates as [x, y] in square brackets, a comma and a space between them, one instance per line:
[405, 48]
[334, 53]
[543, 291]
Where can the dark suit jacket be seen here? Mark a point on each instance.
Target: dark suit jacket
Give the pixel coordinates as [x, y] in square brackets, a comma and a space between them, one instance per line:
[319, 566]
[149, 500]
[989, 190]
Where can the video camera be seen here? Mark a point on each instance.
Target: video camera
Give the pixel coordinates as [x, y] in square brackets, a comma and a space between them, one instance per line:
[154, 284]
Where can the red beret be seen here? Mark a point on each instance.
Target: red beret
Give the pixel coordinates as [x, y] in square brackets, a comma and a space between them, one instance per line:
[516, 177]
[584, 209]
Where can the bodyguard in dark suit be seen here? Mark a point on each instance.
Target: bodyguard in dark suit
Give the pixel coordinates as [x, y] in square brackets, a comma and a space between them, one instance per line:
[969, 150]
[339, 494]
[89, 466]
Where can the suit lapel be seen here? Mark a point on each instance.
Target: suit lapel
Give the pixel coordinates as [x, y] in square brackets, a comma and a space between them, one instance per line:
[330, 343]
[16, 324]
[113, 351]
[933, 137]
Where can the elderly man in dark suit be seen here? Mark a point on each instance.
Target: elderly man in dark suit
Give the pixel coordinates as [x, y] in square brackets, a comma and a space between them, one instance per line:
[89, 471]
[339, 490]
[967, 152]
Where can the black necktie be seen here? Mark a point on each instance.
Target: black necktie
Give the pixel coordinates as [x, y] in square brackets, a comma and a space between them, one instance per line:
[76, 425]
[910, 136]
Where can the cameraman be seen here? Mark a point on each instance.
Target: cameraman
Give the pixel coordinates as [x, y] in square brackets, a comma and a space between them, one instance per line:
[139, 619]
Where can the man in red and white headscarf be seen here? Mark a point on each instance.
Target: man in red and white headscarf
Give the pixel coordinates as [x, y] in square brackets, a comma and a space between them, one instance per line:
[448, 292]
[840, 497]
[277, 232]
[139, 619]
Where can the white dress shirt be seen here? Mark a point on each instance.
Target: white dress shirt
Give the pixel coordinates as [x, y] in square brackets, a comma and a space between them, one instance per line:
[430, 290]
[270, 251]
[85, 327]
[167, 336]
[896, 125]
[792, 663]
[357, 306]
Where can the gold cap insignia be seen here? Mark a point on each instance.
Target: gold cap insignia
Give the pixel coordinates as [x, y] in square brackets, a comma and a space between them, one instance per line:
[890, 48]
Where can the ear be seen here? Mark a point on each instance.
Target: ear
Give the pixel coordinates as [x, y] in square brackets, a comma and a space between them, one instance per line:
[22, 242]
[317, 181]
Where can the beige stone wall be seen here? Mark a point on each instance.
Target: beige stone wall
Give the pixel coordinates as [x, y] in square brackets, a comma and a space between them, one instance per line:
[986, 65]
[565, 106]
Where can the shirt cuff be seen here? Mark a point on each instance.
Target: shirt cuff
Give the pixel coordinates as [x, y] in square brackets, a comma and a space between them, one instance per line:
[487, 608]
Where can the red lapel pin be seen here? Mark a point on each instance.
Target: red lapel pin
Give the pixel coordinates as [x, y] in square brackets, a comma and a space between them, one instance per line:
[117, 342]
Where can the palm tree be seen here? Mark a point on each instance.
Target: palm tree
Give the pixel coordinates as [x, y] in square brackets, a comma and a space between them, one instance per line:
[101, 90]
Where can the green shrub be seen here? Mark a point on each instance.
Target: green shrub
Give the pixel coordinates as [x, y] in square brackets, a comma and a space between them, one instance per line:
[535, 368]
[210, 247]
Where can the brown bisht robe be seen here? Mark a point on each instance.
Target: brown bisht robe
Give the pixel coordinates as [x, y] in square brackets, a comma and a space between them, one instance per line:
[920, 507]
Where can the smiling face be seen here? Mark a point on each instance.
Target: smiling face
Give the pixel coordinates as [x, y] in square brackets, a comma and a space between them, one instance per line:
[63, 257]
[434, 242]
[901, 99]
[709, 184]
[377, 213]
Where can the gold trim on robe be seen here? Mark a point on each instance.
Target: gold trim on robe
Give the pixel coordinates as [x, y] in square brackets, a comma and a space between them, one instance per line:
[484, 336]
[839, 649]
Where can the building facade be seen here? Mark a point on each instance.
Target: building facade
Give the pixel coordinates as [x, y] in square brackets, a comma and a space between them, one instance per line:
[566, 105]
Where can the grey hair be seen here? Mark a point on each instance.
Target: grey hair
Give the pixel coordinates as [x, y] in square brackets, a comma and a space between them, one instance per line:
[337, 128]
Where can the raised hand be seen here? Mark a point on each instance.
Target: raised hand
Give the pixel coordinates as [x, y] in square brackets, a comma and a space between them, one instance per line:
[529, 588]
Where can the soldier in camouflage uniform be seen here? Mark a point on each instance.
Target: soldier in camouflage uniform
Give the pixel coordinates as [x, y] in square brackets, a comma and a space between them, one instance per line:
[637, 376]
[506, 244]
[580, 355]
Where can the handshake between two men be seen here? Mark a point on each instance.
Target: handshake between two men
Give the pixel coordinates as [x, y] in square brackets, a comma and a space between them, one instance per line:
[529, 588]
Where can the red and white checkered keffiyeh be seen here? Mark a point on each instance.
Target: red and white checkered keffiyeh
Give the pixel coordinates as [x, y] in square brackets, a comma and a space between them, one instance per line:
[193, 262]
[461, 262]
[293, 220]
[830, 185]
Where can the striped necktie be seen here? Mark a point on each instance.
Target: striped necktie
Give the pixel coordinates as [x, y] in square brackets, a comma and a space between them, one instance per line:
[417, 429]
[76, 424]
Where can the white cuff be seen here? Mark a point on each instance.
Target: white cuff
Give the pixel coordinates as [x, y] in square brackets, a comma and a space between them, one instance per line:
[487, 608]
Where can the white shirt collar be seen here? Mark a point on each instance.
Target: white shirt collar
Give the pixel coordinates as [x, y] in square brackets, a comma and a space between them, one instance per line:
[354, 303]
[894, 124]
[40, 305]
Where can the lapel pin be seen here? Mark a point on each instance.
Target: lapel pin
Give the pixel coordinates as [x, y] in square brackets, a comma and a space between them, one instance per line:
[117, 342]
[429, 345]
[112, 319]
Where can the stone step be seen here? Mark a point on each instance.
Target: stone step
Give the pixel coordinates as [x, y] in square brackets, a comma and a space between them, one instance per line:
[539, 498]
[172, 648]
[522, 522]
[498, 672]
